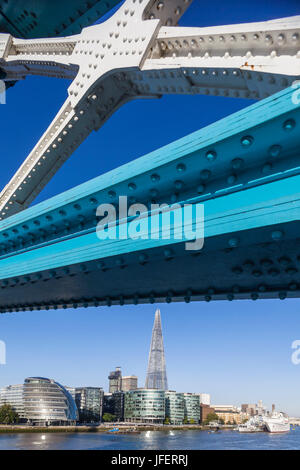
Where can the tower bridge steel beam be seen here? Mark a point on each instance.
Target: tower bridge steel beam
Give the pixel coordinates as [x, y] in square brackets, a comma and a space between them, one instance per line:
[140, 53]
[244, 168]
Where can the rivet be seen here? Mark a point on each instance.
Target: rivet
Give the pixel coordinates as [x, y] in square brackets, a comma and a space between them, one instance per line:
[112, 194]
[277, 235]
[237, 163]
[289, 124]
[181, 167]
[211, 155]
[247, 140]
[233, 242]
[155, 177]
[282, 295]
[274, 150]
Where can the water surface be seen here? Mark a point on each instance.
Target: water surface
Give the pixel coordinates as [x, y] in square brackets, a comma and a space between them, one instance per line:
[157, 440]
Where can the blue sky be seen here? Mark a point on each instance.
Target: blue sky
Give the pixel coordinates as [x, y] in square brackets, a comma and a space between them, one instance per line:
[237, 351]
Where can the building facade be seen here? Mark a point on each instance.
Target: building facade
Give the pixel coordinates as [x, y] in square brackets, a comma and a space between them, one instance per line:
[118, 404]
[13, 395]
[89, 401]
[115, 380]
[191, 408]
[205, 410]
[174, 407]
[204, 398]
[129, 382]
[46, 402]
[144, 406]
[229, 414]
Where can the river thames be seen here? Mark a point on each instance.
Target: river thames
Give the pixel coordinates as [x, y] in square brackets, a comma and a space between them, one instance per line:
[153, 440]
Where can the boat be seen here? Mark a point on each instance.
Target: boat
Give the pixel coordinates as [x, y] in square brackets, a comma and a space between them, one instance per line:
[277, 422]
[254, 424]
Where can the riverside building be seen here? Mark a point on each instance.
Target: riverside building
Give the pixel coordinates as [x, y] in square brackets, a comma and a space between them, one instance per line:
[174, 407]
[46, 402]
[144, 406]
[191, 408]
[89, 402]
[13, 395]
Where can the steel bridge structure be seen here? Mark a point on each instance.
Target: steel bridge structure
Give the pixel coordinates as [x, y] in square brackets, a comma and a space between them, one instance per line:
[244, 169]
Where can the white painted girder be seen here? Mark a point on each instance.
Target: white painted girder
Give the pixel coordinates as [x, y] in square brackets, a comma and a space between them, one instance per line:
[139, 52]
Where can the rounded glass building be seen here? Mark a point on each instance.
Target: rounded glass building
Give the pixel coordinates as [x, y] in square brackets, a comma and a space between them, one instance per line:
[46, 402]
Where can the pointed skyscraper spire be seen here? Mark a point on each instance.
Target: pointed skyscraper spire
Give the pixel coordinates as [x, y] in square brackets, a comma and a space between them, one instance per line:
[156, 374]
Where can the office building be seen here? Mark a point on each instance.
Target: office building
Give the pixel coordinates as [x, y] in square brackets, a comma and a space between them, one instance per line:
[191, 408]
[156, 374]
[174, 407]
[118, 405]
[129, 382]
[108, 403]
[229, 414]
[115, 380]
[205, 410]
[13, 395]
[204, 398]
[144, 406]
[46, 402]
[89, 401]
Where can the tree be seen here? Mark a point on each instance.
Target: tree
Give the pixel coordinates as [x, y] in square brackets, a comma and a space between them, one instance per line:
[167, 421]
[108, 417]
[211, 417]
[8, 415]
[185, 421]
[192, 421]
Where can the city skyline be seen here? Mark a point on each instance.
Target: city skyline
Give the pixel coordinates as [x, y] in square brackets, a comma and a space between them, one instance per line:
[242, 378]
[238, 351]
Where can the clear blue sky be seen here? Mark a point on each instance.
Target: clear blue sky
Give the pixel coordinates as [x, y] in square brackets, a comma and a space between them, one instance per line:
[237, 351]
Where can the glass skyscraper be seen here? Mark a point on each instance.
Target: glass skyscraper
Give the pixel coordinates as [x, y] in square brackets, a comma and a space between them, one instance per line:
[156, 374]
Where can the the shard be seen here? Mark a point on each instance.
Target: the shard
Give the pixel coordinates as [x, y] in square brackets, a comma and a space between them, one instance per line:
[156, 374]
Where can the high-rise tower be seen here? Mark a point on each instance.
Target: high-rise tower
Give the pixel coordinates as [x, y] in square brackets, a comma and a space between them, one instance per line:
[156, 374]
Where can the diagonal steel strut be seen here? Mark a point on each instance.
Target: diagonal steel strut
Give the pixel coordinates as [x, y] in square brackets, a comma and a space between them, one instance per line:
[140, 53]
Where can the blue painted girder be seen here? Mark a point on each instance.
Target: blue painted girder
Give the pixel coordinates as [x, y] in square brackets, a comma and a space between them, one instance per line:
[244, 168]
[48, 18]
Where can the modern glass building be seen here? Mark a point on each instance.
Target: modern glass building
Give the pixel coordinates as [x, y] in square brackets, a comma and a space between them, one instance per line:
[144, 406]
[13, 395]
[191, 408]
[174, 403]
[89, 401]
[118, 400]
[46, 402]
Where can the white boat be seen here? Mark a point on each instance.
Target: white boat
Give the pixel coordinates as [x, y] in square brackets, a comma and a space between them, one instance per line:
[252, 425]
[277, 422]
